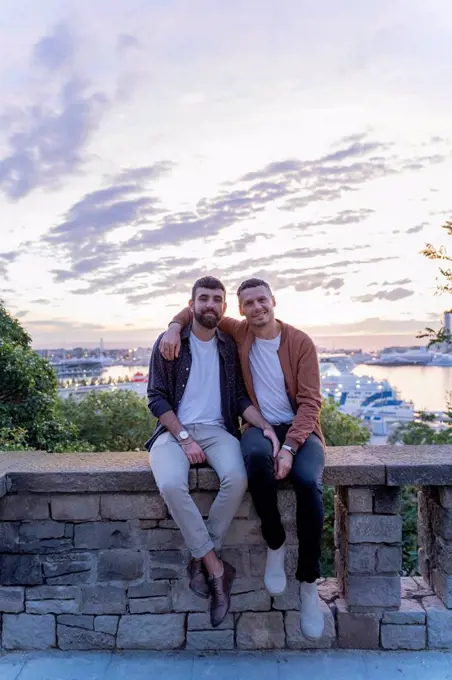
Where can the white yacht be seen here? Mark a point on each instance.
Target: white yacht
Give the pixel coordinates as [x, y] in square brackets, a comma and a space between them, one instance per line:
[375, 402]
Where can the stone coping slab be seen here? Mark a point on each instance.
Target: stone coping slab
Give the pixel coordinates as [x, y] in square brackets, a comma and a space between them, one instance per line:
[42, 472]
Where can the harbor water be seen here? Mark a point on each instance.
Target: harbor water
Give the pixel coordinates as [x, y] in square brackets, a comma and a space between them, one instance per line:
[425, 386]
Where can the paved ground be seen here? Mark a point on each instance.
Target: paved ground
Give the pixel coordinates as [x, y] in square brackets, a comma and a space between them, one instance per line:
[334, 665]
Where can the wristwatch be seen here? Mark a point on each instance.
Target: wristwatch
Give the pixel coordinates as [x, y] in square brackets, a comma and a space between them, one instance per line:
[289, 448]
[183, 435]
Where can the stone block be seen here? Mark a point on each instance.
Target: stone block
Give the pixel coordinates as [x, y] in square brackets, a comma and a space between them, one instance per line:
[286, 504]
[11, 600]
[441, 519]
[442, 585]
[103, 536]
[75, 507]
[9, 537]
[133, 506]
[201, 621]
[246, 509]
[373, 591]
[81, 639]
[359, 499]
[445, 496]
[388, 559]
[403, 637]
[28, 631]
[290, 598]
[203, 501]
[258, 557]
[354, 466]
[260, 631]
[24, 506]
[295, 638]
[150, 605]
[151, 631]
[374, 529]
[160, 539]
[361, 558]
[165, 564]
[410, 612]
[424, 588]
[149, 589]
[423, 564]
[106, 624]
[38, 531]
[240, 559]
[103, 599]
[208, 479]
[443, 555]
[387, 500]
[77, 620]
[210, 640]
[22, 570]
[356, 630]
[254, 601]
[52, 607]
[244, 532]
[185, 600]
[340, 524]
[69, 568]
[53, 593]
[115, 565]
[439, 626]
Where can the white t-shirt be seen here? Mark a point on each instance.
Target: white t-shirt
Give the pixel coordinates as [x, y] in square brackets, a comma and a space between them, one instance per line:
[201, 401]
[268, 381]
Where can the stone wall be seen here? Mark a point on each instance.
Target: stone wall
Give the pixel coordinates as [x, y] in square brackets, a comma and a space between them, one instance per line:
[91, 559]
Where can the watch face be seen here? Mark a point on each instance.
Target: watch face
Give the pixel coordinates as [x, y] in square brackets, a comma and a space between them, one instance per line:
[183, 434]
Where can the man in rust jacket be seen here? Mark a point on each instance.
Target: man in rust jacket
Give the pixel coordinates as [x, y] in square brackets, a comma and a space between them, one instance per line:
[281, 372]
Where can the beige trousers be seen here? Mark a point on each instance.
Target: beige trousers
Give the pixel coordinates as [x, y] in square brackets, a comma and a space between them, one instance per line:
[170, 467]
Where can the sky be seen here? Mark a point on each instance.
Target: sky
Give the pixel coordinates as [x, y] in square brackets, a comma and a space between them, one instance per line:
[146, 144]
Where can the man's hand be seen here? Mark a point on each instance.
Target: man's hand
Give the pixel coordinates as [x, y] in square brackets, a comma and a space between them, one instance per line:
[170, 343]
[284, 461]
[194, 452]
[271, 434]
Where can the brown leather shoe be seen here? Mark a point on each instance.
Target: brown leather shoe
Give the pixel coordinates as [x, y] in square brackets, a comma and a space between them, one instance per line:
[220, 588]
[198, 578]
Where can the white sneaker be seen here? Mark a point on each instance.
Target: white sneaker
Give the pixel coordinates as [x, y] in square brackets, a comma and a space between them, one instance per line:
[275, 576]
[311, 616]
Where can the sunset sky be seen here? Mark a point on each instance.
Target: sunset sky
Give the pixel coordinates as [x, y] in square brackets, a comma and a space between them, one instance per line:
[144, 144]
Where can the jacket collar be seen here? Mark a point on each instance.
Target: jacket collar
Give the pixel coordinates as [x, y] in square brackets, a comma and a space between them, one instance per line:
[185, 333]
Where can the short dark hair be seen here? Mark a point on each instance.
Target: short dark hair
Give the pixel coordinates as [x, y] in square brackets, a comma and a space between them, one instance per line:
[253, 283]
[209, 282]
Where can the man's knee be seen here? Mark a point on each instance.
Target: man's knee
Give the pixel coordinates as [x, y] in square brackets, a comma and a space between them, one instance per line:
[173, 490]
[256, 449]
[234, 479]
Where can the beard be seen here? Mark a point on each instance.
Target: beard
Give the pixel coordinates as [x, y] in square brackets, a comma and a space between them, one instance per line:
[207, 320]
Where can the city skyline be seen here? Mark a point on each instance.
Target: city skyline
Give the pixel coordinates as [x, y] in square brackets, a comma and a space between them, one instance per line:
[143, 147]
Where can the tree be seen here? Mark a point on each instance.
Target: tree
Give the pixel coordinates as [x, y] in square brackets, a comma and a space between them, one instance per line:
[30, 415]
[420, 431]
[433, 253]
[111, 421]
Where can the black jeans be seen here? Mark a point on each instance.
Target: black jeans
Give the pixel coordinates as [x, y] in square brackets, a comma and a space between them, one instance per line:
[306, 476]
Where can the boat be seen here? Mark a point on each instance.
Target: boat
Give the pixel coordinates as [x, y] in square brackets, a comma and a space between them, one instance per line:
[139, 377]
[375, 402]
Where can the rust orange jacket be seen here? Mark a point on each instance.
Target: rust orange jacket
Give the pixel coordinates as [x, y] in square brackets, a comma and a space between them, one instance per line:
[300, 365]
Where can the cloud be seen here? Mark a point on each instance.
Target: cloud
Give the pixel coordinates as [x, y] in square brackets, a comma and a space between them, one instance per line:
[391, 295]
[56, 50]
[240, 244]
[371, 325]
[63, 324]
[126, 43]
[417, 228]
[48, 144]
[5, 261]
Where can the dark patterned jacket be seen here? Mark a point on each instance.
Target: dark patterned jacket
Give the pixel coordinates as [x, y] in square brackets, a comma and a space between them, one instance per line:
[167, 381]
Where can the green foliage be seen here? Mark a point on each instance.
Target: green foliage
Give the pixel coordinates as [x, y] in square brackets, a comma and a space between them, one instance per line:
[409, 530]
[111, 421]
[432, 253]
[30, 416]
[420, 431]
[340, 429]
